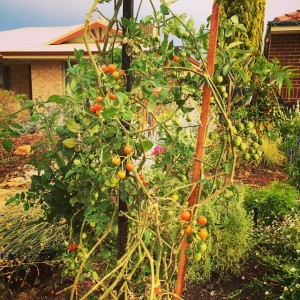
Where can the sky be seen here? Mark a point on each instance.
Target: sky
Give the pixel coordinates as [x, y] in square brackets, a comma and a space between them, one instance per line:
[28, 13]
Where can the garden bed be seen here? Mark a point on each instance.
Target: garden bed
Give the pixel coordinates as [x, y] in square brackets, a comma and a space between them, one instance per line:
[45, 278]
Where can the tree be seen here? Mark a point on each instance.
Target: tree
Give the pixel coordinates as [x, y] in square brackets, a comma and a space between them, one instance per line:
[251, 14]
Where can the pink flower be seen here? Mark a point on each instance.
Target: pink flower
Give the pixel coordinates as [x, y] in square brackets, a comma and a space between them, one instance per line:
[158, 150]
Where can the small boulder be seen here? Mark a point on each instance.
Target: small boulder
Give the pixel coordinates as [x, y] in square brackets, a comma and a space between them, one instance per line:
[23, 150]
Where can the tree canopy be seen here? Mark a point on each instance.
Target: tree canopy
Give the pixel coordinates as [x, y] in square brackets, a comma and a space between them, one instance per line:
[251, 14]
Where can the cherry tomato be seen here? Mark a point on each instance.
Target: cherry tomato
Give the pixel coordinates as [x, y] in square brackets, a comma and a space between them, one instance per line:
[116, 160]
[122, 174]
[128, 149]
[202, 221]
[130, 166]
[186, 215]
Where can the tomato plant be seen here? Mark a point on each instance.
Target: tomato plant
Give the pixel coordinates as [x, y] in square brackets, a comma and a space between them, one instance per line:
[82, 174]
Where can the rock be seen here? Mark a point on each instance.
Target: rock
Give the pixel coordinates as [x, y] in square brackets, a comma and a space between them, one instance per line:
[23, 150]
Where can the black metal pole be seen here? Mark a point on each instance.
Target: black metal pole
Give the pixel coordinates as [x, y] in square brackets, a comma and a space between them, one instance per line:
[126, 60]
[122, 220]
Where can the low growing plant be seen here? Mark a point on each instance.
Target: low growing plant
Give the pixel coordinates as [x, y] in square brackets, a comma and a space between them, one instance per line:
[26, 240]
[229, 241]
[272, 202]
[276, 253]
[290, 132]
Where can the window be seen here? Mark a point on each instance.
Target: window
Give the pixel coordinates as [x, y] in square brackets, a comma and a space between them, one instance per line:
[4, 77]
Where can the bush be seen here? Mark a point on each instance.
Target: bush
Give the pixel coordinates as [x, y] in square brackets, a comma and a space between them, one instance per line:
[272, 202]
[11, 104]
[229, 238]
[26, 240]
[277, 254]
[273, 156]
[290, 131]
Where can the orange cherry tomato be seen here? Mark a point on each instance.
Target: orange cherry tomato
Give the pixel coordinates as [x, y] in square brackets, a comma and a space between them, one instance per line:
[185, 215]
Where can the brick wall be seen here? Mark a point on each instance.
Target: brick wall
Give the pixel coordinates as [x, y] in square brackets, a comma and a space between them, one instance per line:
[20, 79]
[286, 47]
[47, 78]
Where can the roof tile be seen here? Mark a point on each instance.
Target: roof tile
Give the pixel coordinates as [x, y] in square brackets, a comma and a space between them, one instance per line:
[292, 16]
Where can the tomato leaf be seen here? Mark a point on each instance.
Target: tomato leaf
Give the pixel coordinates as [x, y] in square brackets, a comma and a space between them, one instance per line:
[234, 44]
[95, 276]
[127, 115]
[109, 113]
[147, 145]
[26, 206]
[72, 125]
[7, 144]
[69, 173]
[242, 74]
[164, 9]
[226, 69]
[70, 142]
[56, 99]
[10, 200]
[234, 19]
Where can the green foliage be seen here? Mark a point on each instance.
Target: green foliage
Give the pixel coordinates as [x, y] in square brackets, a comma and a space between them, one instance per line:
[27, 240]
[251, 14]
[273, 202]
[273, 156]
[11, 117]
[290, 131]
[78, 175]
[230, 230]
[276, 253]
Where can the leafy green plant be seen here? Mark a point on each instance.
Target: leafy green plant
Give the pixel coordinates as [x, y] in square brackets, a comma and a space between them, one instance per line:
[276, 253]
[272, 202]
[290, 132]
[229, 241]
[87, 178]
[27, 241]
[273, 156]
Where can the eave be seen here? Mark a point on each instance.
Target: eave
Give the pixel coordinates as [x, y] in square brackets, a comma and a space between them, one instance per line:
[40, 55]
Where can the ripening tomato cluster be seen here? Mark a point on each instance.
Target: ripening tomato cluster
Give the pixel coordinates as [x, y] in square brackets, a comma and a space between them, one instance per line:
[97, 108]
[142, 178]
[195, 236]
[129, 165]
[112, 72]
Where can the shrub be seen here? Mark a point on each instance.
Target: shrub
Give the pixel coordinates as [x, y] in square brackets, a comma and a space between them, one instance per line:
[273, 156]
[26, 240]
[290, 131]
[277, 254]
[272, 202]
[11, 104]
[229, 228]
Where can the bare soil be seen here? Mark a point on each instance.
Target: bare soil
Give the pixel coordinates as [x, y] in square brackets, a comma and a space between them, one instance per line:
[16, 166]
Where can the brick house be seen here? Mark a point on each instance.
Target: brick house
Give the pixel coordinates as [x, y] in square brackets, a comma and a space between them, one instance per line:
[33, 60]
[282, 41]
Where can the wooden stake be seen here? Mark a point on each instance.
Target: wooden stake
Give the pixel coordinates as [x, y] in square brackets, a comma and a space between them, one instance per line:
[200, 139]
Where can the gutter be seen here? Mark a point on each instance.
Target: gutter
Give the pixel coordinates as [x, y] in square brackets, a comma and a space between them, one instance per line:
[284, 23]
[40, 55]
[276, 24]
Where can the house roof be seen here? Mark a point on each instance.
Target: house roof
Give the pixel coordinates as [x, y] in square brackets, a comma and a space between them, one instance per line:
[59, 41]
[285, 24]
[295, 15]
